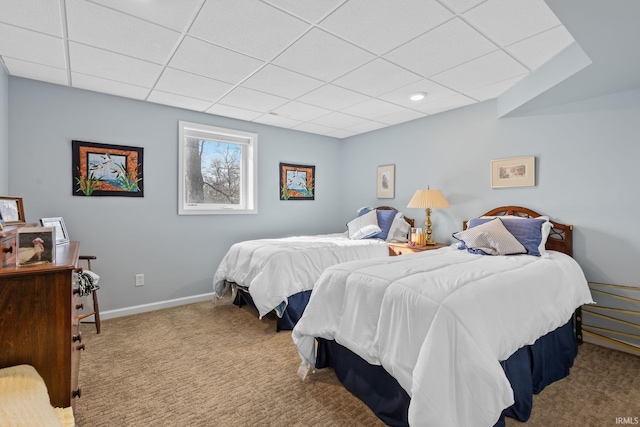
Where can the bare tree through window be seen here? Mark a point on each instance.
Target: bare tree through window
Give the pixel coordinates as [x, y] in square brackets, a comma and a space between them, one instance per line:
[213, 171]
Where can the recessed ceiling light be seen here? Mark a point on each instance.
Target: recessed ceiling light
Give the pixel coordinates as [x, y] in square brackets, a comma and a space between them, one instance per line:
[419, 96]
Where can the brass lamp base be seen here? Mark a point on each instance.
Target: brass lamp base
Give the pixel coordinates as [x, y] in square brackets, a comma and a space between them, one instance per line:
[427, 228]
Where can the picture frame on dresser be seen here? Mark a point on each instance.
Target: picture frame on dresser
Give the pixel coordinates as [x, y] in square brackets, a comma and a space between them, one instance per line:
[35, 245]
[11, 210]
[61, 230]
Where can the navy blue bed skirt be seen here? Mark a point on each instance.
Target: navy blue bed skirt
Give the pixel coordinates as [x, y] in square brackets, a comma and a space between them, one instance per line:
[529, 370]
[295, 307]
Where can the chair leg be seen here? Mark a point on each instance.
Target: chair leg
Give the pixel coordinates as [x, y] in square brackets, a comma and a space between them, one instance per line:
[97, 310]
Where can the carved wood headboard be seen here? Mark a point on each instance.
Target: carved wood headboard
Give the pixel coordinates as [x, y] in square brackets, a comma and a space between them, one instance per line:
[410, 221]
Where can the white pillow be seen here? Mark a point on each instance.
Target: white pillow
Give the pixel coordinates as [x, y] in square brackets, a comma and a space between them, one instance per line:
[399, 230]
[545, 229]
[364, 226]
[492, 238]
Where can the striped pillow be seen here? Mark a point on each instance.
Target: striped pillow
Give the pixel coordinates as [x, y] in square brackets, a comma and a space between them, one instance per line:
[492, 238]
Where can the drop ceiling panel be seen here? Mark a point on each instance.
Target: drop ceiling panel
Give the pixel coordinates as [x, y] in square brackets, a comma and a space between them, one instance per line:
[536, 50]
[341, 133]
[401, 117]
[338, 120]
[314, 128]
[377, 77]
[310, 10]
[333, 97]
[191, 85]
[281, 82]
[247, 26]
[234, 112]
[37, 15]
[179, 101]
[212, 61]
[31, 70]
[273, 120]
[509, 21]
[302, 112]
[323, 56]
[493, 90]
[461, 5]
[450, 44]
[252, 100]
[107, 29]
[433, 91]
[382, 25]
[365, 127]
[171, 14]
[83, 81]
[445, 104]
[30, 46]
[484, 71]
[372, 109]
[112, 66]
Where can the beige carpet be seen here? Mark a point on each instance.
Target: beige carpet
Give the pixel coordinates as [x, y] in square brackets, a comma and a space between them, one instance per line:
[217, 365]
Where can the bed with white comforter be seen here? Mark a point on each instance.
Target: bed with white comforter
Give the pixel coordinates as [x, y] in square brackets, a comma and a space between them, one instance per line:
[275, 269]
[440, 322]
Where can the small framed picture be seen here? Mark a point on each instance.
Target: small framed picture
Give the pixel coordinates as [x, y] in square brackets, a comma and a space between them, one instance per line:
[11, 210]
[386, 182]
[58, 224]
[513, 172]
[35, 245]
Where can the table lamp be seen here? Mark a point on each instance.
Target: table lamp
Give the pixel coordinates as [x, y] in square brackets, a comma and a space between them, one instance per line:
[428, 199]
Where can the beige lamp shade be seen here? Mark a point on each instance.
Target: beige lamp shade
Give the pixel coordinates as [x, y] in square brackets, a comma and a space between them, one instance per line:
[428, 199]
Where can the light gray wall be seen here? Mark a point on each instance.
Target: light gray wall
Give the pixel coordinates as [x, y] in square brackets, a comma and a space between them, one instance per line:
[177, 254]
[586, 165]
[4, 132]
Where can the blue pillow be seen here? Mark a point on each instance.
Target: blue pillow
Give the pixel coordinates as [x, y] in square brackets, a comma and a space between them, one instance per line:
[528, 231]
[385, 219]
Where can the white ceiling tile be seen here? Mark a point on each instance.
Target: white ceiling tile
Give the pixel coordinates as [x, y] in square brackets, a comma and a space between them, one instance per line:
[441, 48]
[445, 104]
[299, 111]
[341, 133]
[31, 70]
[489, 69]
[377, 77]
[366, 127]
[37, 15]
[276, 120]
[171, 14]
[314, 128]
[191, 85]
[382, 25]
[109, 65]
[252, 100]
[401, 117]
[212, 61]
[494, 90]
[97, 84]
[372, 109]
[248, 26]
[311, 10]
[178, 101]
[107, 29]
[333, 97]
[235, 112]
[509, 21]
[281, 82]
[537, 50]
[433, 90]
[338, 120]
[461, 5]
[323, 56]
[30, 46]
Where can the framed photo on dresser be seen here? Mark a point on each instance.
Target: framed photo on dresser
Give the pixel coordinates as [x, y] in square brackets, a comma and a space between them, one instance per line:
[58, 224]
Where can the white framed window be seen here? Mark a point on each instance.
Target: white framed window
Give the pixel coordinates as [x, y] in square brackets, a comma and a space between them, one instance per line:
[218, 170]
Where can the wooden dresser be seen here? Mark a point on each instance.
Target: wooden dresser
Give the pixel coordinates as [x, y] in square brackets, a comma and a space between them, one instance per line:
[38, 320]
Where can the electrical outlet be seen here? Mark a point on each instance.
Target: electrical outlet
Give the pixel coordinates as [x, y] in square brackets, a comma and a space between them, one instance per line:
[139, 279]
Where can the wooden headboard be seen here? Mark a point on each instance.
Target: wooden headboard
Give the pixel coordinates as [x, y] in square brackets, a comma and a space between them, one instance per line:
[410, 221]
[560, 237]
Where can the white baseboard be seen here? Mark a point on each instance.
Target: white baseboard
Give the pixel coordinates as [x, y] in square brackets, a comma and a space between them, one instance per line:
[127, 311]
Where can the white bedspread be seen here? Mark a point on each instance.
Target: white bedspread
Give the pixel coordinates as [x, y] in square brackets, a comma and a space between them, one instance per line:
[274, 269]
[441, 320]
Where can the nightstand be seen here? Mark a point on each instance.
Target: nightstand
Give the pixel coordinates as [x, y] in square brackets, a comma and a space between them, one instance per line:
[397, 248]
